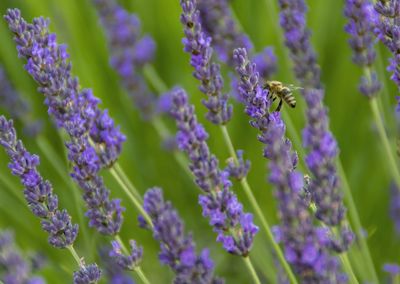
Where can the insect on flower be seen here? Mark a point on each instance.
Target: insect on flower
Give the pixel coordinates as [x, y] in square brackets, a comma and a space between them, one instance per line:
[284, 93]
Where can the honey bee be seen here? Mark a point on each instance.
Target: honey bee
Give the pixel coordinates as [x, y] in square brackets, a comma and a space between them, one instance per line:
[284, 93]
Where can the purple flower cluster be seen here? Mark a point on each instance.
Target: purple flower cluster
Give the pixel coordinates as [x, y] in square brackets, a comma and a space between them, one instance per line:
[360, 27]
[129, 52]
[306, 248]
[198, 44]
[127, 262]
[218, 23]
[239, 170]
[113, 271]
[75, 111]
[88, 274]
[387, 30]
[18, 107]
[14, 268]
[235, 228]
[178, 250]
[317, 138]
[38, 192]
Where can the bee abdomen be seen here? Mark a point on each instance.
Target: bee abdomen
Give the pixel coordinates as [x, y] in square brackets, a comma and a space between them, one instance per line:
[290, 100]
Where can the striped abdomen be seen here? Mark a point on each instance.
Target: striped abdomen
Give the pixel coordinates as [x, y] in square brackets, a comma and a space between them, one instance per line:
[286, 95]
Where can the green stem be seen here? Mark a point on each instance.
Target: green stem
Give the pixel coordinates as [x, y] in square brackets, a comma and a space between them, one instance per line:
[385, 140]
[152, 75]
[123, 177]
[141, 275]
[75, 255]
[257, 208]
[134, 200]
[347, 267]
[251, 269]
[121, 243]
[357, 223]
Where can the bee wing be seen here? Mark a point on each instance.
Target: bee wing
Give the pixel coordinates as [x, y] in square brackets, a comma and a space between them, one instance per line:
[294, 88]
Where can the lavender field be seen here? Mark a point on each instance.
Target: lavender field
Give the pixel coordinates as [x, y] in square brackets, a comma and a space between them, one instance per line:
[199, 141]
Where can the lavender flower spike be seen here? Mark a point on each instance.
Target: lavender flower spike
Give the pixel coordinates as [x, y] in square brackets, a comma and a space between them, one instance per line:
[306, 247]
[75, 111]
[14, 268]
[177, 249]
[38, 192]
[88, 274]
[127, 262]
[198, 44]
[317, 138]
[129, 52]
[235, 228]
[387, 30]
[362, 18]
[218, 23]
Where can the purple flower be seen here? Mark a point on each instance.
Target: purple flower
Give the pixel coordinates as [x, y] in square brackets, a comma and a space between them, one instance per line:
[323, 150]
[240, 170]
[361, 20]
[114, 272]
[76, 111]
[129, 52]
[198, 45]
[392, 268]
[17, 106]
[127, 262]
[38, 192]
[178, 250]
[87, 275]
[305, 250]
[387, 30]
[14, 268]
[218, 23]
[220, 205]
[317, 138]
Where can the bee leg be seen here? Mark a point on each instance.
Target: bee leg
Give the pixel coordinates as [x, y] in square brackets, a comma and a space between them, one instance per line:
[279, 106]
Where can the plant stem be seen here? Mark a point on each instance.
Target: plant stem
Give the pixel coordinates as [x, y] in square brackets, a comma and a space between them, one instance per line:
[257, 208]
[134, 200]
[141, 275]
[347, 267]
[151, 74]
[385, 140]
[250, 267]
[123, 177]
[75, 255]
[357, 223]
[121, 243]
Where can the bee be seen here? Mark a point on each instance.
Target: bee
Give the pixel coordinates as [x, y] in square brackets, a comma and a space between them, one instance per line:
[284, 93]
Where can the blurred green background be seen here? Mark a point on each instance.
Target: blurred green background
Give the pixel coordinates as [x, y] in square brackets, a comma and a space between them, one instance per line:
[147, 164]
